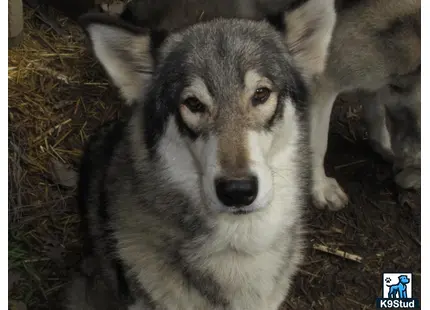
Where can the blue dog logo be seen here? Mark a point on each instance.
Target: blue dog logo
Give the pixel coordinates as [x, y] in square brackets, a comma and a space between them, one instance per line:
[399, 290]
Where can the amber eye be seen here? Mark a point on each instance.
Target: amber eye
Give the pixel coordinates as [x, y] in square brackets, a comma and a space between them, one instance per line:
[194, 105]
[260, 96]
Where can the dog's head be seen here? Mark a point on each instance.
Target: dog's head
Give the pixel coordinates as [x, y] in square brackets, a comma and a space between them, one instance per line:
[227, 101]
[403, 279]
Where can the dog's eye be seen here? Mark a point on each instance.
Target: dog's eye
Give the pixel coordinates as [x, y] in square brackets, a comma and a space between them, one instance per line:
[260, 96]
[194, 105]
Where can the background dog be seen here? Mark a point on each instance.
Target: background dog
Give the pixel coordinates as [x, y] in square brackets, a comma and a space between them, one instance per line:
[194, 201]
[375, 45]
[393, 115]
[170, 15]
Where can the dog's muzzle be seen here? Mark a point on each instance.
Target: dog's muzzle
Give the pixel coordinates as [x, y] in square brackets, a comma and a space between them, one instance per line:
[237, 193]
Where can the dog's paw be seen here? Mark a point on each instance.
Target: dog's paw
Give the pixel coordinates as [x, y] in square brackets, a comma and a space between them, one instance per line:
[327, 193]
[409, 178]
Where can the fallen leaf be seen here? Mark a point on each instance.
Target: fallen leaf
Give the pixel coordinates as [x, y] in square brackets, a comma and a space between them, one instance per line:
[63, 174]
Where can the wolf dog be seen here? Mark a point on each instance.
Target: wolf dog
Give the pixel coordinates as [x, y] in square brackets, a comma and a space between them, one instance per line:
[375, 52]
[194, 200]
[375, 49]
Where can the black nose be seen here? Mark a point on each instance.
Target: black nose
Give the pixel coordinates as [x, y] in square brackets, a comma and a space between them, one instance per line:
[237, 192]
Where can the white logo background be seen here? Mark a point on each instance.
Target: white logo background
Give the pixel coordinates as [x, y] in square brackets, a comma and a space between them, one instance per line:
[394, 279]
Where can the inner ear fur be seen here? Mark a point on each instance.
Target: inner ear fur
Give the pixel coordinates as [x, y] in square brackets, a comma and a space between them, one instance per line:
[124, 51]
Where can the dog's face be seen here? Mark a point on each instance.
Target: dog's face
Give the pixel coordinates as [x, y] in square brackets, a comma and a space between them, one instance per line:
[233, 90]
[404, 279]
[226, 98]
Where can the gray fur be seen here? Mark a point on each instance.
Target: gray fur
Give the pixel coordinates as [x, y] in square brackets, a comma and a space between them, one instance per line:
[375, 44]
[396, 110]
[158, 239]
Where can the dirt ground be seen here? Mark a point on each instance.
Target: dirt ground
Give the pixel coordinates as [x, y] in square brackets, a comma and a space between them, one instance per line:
[57, 96]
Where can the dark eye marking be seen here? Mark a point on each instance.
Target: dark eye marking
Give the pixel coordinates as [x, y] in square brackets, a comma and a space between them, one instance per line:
[194, 105]
[260, 96]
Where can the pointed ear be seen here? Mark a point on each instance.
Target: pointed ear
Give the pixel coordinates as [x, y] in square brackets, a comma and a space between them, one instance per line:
[124, 52]
[308, 32]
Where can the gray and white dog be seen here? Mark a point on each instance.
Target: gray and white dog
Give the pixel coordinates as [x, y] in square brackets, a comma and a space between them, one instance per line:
[375, 49]
[194, 201]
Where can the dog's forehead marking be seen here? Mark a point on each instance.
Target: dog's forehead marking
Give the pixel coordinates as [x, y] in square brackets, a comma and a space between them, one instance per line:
[224, 52]
[253, 80]
[196, 87]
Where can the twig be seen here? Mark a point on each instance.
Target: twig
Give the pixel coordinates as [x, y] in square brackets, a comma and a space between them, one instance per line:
[308, 273]
[337, 230]
[346, 255]
[51, 130]
[36, 260]
[58, 75]
[349, 164]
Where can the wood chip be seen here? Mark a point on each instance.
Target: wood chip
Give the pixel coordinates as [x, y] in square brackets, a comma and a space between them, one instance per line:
[343, 254]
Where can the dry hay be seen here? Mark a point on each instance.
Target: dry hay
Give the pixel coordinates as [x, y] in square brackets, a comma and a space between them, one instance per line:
[57, 95]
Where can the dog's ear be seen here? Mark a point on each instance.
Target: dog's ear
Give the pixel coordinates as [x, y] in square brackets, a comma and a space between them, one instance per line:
[308, 28]
[123, 50]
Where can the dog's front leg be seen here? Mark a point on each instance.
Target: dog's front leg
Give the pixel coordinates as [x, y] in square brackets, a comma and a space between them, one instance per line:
[393, 120]
[374, 115]
[403, 293]
[326, 191]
